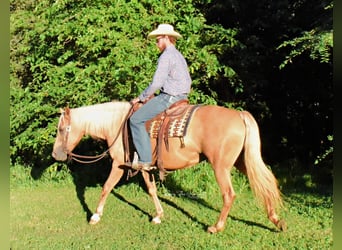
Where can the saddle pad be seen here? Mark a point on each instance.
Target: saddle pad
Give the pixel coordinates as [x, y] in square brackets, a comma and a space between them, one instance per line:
[178, 121]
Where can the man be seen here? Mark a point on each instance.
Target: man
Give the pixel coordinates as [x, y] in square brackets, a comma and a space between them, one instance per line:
[173, 80]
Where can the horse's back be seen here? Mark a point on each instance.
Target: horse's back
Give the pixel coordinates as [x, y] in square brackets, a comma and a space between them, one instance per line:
[214, 127]
[216, 119]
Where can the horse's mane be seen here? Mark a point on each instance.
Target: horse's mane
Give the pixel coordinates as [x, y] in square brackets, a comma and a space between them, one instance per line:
[98, 119]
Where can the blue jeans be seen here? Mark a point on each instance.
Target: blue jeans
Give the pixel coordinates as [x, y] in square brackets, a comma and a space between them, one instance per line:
[153, 107]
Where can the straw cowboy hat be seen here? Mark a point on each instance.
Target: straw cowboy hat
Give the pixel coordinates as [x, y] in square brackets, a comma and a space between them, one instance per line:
[164, 29]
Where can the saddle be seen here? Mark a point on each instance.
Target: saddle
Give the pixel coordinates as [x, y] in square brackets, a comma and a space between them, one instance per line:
[171, 123]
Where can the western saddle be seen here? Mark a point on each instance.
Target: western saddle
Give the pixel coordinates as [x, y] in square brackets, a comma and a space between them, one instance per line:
[173, 122]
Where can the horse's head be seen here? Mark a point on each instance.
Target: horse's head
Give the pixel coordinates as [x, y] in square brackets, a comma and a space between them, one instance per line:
[61, 147]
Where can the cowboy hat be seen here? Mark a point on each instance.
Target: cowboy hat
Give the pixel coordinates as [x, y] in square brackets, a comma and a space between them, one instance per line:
[164, 29]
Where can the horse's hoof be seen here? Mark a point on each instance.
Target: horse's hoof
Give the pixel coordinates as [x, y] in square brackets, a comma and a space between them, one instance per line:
[95, 218]
[282, 225]
[156, 220]
[212, 230]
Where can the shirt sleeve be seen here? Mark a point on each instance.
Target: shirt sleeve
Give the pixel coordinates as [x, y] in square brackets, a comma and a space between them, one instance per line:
[159, 78]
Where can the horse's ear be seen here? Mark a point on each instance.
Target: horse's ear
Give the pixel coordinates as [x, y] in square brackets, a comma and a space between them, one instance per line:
[67, 110]
[61, 110]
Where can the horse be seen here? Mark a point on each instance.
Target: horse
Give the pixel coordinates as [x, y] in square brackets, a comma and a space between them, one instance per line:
[226, 137]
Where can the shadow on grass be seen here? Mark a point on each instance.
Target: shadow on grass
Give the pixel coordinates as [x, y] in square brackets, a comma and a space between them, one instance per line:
[205, 225]
[254, 224]
[296, 177]
[95, 174]
[84, 175]
[121, 198]
[176, 189]
[186, 213]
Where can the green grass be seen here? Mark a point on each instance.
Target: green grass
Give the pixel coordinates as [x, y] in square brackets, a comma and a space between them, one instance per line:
[48, 214]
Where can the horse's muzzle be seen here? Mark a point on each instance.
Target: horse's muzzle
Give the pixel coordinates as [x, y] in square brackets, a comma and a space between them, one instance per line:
[59, 157]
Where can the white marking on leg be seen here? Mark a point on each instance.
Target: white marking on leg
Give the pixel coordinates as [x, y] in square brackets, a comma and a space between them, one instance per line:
[95, 218]
[156, 220]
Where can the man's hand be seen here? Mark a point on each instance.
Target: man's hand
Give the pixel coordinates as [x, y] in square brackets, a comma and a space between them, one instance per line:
[134, 101]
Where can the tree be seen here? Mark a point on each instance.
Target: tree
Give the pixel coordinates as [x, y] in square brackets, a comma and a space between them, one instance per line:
[316, 44]
[286, 69]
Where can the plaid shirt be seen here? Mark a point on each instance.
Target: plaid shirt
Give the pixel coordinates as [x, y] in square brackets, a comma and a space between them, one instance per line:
[172, 75]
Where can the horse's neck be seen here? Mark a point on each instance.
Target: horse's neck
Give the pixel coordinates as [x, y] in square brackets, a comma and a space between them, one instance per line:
[102, 122]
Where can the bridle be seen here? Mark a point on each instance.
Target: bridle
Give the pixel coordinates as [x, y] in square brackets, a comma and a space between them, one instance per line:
[67, 131]
[90, 159]
[76, 157]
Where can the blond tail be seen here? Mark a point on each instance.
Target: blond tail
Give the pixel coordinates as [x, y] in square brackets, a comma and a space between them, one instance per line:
[262, 180]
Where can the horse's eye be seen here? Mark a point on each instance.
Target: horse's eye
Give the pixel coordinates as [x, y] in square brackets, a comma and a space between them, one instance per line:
[68, 129]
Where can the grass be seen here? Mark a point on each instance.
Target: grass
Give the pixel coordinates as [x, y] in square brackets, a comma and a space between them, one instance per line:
[49, 214]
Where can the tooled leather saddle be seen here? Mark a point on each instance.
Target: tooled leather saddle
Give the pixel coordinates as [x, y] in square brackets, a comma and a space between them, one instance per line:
[171, 123]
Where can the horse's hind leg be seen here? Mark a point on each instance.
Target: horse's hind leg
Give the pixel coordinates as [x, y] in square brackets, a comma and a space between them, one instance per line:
[273, 217]
[113, 178]
[152, 191]
[223, 178]
[271, 213]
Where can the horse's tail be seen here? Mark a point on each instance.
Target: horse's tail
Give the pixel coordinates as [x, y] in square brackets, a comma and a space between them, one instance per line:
[262, 180]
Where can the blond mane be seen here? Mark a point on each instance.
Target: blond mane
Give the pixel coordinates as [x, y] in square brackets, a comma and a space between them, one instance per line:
[98, 119]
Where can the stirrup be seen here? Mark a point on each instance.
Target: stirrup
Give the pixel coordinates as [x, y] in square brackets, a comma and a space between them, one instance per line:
[147, 167]
[139, 166]
[134, 164]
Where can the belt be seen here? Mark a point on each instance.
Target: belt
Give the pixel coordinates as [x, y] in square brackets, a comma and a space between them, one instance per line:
[162, 92]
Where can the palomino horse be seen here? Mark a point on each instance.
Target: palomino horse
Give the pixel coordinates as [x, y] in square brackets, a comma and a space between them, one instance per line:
[226, 137]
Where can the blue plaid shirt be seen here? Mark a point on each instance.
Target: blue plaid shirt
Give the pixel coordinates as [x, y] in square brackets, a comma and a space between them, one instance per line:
[172, 75]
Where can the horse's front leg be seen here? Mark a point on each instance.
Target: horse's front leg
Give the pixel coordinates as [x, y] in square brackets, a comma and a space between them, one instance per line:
[113, 178]
[152, 191]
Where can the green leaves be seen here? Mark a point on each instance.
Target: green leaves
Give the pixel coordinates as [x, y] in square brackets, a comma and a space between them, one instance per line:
[317, 44]
[87, 52]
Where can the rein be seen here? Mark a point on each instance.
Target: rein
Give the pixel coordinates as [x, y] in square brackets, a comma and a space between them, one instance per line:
[73, 156]
[95, 158]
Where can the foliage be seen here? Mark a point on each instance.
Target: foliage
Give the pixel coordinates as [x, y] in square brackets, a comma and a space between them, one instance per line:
[327, 155]
[317, 44]
[80, 53]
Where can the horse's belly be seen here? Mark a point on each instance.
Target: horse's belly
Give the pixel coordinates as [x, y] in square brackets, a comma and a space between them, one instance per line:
[178, 155]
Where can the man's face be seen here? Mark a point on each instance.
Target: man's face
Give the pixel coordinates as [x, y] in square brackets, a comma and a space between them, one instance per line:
[161, 42]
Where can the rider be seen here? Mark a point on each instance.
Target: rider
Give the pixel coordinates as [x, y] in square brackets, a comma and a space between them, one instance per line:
[173, 80]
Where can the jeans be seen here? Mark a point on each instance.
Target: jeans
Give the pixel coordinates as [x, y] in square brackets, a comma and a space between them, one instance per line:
[153, 107]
